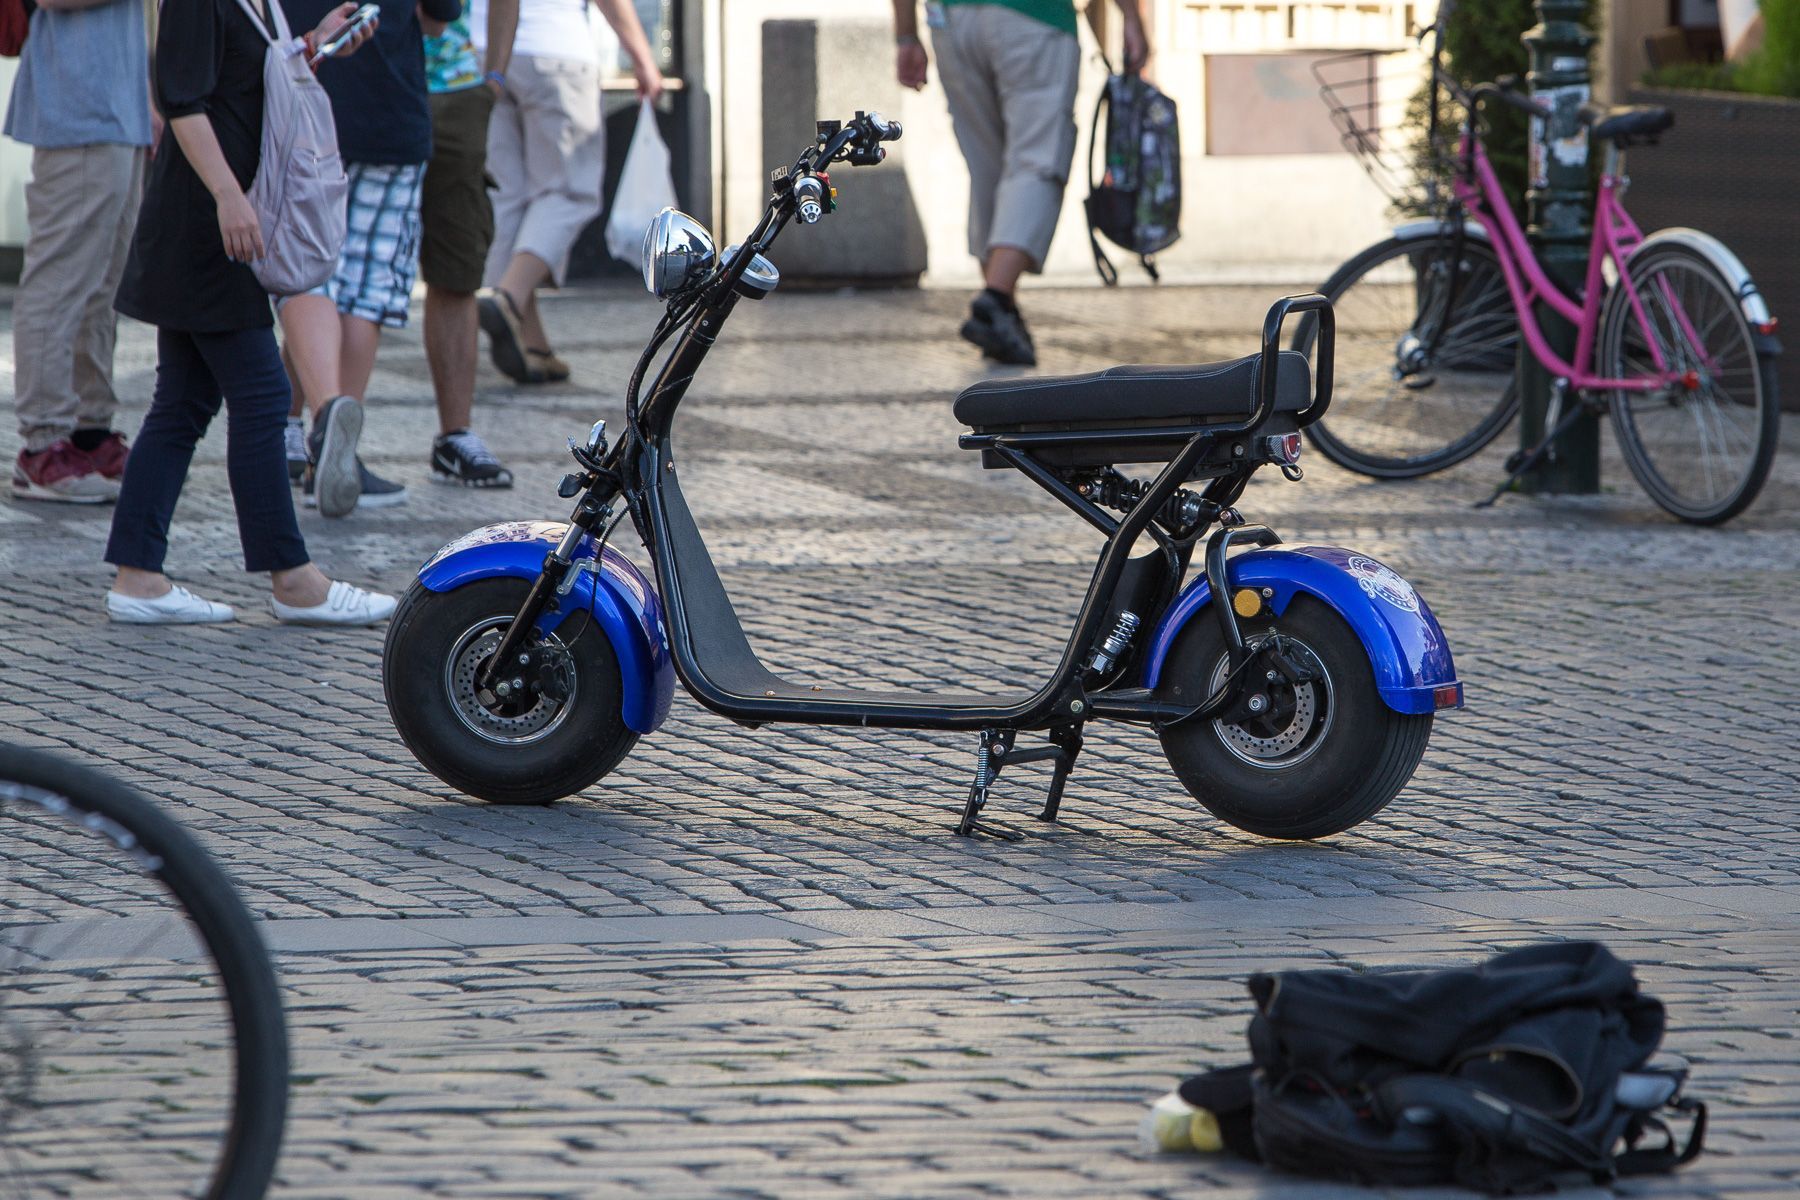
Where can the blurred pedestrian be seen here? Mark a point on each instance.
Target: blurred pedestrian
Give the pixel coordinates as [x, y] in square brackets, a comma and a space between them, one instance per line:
[81, 100]
[547, 150]
[1009, 70]
[188, 274]
[457, 220]
[383, 115]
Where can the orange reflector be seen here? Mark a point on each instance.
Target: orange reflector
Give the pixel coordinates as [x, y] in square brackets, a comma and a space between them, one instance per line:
[1247, 602]
[1448, 696]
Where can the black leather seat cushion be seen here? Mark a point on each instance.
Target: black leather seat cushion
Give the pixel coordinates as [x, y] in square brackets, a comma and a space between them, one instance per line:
[1177, 395]
[1626, 121]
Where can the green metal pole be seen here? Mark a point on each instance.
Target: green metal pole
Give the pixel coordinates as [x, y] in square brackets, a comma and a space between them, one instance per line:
[1559, 204]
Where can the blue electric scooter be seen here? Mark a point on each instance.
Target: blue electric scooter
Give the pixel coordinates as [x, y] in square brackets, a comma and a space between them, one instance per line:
[1293, 688]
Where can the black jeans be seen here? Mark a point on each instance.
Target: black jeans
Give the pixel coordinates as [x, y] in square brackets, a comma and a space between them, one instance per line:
[193, 372]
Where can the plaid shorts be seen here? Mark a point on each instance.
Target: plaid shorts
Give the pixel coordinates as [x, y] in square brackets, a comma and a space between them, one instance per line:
[374, 276]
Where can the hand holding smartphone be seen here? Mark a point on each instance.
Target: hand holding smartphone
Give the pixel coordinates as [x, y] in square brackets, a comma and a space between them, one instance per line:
[340, 36]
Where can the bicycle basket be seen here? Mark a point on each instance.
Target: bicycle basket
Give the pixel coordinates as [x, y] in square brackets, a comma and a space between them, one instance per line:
[1379, 104]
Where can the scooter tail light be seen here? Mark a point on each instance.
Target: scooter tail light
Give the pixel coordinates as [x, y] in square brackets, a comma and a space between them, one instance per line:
[1282, 448]
[1448, 696]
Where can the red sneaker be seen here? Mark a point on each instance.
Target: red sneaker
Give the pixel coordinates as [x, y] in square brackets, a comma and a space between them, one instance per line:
[60, 472]
[109, 456]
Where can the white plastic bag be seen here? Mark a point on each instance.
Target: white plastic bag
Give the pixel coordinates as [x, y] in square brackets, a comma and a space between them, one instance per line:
[645, 189]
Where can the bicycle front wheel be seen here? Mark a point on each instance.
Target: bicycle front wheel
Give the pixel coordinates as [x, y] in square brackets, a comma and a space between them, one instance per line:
[1426, 339]
[1701, 447]
[142, 1046]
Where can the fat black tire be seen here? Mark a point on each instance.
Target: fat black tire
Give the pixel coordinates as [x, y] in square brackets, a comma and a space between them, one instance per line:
[35, 786]
[590, 741]
[1365, 755]
[1462, 438]
[1655, 461]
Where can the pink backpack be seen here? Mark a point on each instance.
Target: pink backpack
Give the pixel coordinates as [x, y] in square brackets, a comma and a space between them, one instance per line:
[300, 187]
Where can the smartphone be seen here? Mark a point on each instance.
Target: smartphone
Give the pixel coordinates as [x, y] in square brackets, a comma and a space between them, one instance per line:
[343, 33]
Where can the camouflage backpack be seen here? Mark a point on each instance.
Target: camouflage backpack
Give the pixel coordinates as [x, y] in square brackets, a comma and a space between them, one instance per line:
[1136, 202]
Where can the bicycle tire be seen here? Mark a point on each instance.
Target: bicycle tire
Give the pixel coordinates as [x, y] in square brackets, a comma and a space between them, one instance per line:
[1359, 432]
[1659, 434]
[46, 802]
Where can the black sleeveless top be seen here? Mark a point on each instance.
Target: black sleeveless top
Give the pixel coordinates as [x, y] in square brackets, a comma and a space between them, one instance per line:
[209, 59]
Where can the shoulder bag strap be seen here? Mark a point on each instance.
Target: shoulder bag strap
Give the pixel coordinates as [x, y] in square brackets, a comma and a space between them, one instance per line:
[1109, 274]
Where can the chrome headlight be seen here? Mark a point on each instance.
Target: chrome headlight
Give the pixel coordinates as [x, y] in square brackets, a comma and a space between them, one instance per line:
[678, 252]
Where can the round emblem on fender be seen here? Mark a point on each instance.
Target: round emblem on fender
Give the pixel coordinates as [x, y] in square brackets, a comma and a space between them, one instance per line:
[1383, 582]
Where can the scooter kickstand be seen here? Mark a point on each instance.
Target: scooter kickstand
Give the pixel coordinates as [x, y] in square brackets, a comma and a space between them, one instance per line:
[990, 757]
[1065, 745]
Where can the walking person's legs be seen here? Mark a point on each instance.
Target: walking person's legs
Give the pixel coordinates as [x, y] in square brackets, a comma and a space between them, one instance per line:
[73, 192]
[97, 404]
[456, 227]
[563, 159]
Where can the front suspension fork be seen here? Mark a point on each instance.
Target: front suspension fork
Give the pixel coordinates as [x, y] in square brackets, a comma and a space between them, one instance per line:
[587, 515]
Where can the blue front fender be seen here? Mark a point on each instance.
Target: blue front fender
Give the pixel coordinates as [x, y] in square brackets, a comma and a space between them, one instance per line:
[614, 591]
[1406, 646]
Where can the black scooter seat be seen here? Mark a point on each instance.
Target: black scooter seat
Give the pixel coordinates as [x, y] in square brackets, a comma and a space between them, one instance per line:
[1175, 395]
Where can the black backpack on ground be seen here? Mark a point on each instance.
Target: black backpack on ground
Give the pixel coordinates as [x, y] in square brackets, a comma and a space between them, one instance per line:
[1136, 199]
[1501, 1077]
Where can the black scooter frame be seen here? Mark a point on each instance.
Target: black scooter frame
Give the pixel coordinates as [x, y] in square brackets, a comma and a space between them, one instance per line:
[641, 469]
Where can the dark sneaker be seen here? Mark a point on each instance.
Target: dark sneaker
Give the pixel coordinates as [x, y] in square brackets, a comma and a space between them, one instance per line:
[62, 473]
[298, 457]
[500, 320]
[1000, 332]
[463, 458]
[336, 477]
[376, 491]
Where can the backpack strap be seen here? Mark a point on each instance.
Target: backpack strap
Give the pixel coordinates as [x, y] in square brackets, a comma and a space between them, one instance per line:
[1109, 274]
[1657, 1159]
[283, 36]
[1494, 1121]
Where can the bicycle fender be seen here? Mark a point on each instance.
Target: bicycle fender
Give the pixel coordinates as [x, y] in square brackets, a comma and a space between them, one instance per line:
[602, 582]
[1750, 300]
[1406, 646]
[1431, 228]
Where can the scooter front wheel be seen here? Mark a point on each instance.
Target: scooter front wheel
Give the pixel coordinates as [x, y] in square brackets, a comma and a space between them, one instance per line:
[1333, 756]
[536, 746]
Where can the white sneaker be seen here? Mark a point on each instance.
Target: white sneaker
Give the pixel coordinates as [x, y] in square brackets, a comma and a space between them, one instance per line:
[177, 606]
[344, 605]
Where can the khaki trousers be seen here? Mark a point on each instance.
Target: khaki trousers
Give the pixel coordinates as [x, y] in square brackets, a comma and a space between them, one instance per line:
[547, 150]
[1011, 82]
[81, 206]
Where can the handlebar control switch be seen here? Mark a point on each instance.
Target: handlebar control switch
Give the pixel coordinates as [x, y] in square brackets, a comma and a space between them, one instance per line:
[809, 200]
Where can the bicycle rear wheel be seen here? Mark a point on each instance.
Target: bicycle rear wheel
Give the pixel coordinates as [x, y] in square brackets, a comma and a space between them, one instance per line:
[1702, 452]
[142, 1046]
[1426, 339]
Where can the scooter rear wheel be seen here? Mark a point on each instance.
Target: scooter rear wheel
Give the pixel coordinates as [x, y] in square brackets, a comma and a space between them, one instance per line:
[530, 752]
[1334, 762]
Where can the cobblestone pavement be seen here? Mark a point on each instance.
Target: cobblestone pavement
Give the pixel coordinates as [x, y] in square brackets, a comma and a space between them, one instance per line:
[665, 984]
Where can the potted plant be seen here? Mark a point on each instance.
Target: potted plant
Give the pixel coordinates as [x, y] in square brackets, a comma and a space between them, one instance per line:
[1731, 164]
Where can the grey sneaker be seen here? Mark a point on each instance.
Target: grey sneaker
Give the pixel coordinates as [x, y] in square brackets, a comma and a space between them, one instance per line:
[297, 456]
[376, 491]
[335, 477]
[1000, 332]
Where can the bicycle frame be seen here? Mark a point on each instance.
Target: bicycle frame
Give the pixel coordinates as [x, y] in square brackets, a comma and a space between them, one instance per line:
[1615, 236]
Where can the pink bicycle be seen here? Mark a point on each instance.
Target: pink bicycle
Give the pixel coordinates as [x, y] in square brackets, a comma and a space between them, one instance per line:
[1673, 338]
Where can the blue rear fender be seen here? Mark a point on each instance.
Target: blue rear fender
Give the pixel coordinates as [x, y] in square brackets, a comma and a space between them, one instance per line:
[602, 582]
[1407, 649]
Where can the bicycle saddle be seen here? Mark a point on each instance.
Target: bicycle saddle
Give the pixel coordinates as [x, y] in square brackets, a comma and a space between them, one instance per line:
[1175, 395]
[1627, 123]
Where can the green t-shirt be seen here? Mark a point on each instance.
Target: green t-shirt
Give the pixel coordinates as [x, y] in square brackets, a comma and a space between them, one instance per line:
[1058, 14]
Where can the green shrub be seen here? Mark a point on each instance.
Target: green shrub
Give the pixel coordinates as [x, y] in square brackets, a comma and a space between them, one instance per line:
[1774, 70]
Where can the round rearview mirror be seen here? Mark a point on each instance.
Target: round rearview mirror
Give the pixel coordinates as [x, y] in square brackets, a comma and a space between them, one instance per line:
[678, 252]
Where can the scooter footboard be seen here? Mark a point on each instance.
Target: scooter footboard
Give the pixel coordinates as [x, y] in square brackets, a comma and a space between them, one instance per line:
[602, 582]
[1407, 649]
